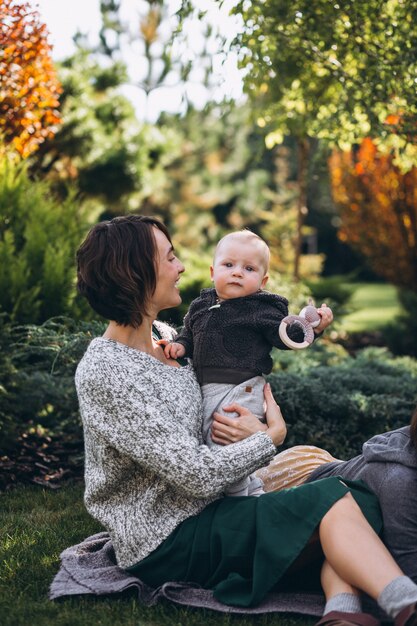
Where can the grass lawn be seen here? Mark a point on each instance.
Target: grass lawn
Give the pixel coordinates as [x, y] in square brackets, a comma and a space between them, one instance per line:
[374, 305]
[36, 525]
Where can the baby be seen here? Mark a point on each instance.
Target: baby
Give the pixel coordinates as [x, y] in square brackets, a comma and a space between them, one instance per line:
[229, 332]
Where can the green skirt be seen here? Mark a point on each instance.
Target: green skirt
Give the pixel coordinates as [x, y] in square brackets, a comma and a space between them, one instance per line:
[242, 547]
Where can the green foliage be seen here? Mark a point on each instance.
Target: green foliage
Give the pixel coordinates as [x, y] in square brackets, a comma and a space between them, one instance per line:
[100, 146]
[335, 291]
[401, 334]
[224, 178]
[38, 238]
[327, 397]
[37, 366]
[334, 71]
[221, 177]
[339, 407]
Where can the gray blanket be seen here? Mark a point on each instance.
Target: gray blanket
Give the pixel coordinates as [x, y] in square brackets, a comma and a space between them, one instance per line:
[90, 568]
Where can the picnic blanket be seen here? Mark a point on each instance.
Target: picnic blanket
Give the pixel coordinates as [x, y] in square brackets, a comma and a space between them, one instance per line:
[90, 568]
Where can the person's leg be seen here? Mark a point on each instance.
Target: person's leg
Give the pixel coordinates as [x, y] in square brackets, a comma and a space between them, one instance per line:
[358, 557]
[340, 596]
[343, 603]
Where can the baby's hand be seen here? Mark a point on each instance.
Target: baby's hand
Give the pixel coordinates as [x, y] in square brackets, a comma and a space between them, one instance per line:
[326, 315]
[174, 350]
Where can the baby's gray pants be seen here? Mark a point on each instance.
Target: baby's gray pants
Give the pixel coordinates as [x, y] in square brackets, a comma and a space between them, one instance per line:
[250, 395]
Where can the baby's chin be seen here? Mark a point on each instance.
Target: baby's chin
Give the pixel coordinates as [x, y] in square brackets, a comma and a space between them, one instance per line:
[234, 293]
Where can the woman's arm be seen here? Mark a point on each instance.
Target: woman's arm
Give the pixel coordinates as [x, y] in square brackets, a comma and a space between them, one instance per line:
[227, 430]
[139, 426]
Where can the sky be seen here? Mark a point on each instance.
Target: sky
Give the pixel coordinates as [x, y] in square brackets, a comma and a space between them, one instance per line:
[64, 18]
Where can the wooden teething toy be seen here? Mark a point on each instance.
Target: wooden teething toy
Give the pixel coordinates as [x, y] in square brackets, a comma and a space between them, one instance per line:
[307, 320]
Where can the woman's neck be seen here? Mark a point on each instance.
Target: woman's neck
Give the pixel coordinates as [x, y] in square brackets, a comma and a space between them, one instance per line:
[139, 338]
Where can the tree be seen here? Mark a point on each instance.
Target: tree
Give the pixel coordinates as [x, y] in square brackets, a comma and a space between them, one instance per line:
[153, 39]
[334, 71]
[224, 177]
[101, 148]
[378, 208]
[338, 69]
[29, 88]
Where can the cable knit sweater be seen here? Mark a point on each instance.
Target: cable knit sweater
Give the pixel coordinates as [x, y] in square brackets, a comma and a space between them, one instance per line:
[146, 468]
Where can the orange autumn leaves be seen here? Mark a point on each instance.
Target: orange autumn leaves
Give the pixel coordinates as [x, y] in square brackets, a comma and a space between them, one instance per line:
[378, 208]
[29, 88]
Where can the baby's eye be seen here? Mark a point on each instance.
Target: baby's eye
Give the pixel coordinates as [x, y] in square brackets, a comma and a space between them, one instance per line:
[250, 269]
[228, 264]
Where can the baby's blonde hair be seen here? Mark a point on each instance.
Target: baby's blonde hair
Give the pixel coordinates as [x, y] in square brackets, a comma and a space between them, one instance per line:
[247, 236]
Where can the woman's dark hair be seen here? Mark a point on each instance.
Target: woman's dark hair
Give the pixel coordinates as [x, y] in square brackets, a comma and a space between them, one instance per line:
[116, 267]
[413, 428]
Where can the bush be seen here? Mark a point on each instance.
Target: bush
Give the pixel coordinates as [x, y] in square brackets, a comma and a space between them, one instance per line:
[38, 238]
[334, 406]
[334, 290]
[37, 366]
[339, 407]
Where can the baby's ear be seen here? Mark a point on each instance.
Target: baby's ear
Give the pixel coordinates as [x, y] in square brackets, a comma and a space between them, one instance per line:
[264, 281]
[211, 272]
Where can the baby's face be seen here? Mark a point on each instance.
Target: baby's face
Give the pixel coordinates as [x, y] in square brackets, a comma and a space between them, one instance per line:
[239, 268]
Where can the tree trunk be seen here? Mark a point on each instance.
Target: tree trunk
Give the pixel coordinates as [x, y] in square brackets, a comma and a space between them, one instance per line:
[303, 148]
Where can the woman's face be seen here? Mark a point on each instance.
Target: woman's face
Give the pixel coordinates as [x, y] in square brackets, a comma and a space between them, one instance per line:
[168, 271]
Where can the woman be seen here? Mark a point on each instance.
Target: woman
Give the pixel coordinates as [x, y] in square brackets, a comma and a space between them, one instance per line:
[388, 465]
[158, 490]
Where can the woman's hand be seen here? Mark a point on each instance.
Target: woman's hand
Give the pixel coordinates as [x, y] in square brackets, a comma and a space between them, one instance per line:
[227, 430]
[326, 315]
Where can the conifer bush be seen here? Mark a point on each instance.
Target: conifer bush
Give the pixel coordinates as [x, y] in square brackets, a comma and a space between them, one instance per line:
[327, 397]
[338, 407]
[39, 235]
[37, 365]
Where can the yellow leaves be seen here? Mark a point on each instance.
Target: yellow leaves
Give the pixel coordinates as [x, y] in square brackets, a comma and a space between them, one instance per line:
[29, 88]
[273, 139]
[149, 25]
[406, 221]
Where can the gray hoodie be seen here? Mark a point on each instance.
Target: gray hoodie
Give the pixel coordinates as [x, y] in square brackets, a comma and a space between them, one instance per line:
[388, 465]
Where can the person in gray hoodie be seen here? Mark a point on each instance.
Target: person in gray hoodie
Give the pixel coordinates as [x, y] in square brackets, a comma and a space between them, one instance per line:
[388, 465]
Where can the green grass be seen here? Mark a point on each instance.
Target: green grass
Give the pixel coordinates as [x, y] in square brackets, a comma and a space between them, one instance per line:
[36, 525]
[374, 306]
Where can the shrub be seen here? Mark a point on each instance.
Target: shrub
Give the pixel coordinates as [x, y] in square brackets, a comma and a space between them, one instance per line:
[339, 407]
[38, 365]
[334, 290]
[334, 406]
[38, 238]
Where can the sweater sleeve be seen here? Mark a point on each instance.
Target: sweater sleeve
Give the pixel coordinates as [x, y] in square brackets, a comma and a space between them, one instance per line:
[136, 424]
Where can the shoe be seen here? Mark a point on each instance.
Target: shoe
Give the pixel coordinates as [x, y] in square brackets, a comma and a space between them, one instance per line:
[339, 618]
[407, 617]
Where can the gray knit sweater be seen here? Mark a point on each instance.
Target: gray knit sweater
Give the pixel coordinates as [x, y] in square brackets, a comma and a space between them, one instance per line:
[146, 468]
